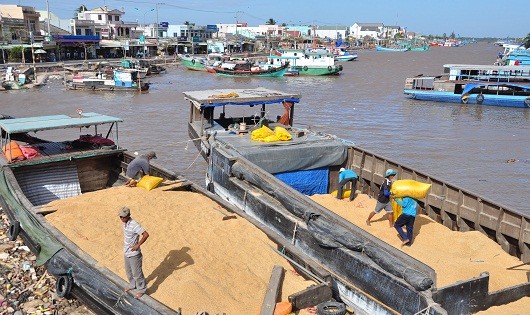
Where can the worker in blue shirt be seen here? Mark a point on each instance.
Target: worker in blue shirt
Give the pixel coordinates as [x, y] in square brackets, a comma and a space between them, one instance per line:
[345, 176]
[407, 218]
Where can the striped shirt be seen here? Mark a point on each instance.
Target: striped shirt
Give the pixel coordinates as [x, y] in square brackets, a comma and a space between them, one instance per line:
[131, 234]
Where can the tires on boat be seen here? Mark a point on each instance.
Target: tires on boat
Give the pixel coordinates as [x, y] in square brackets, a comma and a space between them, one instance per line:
[480, 99]
[527, 102]
[13, 231]
[63, 286]
[331, 308]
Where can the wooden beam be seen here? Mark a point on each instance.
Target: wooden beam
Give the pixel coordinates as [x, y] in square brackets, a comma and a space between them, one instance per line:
[311, 296]
[273, 291]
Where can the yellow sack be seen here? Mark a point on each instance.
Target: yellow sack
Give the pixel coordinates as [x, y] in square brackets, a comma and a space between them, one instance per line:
[282, 134]
[410, 188]
[261, 133]
[149, 182]
[397, 209]
[345, 193]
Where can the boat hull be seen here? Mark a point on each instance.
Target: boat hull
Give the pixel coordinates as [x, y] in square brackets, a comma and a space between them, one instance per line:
[486, 99]
[193, 64]
[276, 72]
[317, 71]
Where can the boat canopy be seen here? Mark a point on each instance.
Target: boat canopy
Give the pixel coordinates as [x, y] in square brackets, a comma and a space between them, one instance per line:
[21, 125]
[471, 86]
[248, 97]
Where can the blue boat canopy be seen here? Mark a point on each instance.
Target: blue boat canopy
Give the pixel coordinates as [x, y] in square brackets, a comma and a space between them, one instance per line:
[247, 97]
[20, 125]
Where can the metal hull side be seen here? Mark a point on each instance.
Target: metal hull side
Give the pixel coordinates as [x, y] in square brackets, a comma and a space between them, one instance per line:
[352, 269]
[450, 97]
[193, 64]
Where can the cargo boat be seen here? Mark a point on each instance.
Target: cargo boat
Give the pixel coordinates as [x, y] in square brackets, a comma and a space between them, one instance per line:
[271, 180]
[94, 163]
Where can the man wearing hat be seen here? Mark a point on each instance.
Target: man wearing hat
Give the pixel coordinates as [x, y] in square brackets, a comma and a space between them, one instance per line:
[383, 198]
[133, 237]
[138, 168]
[346, 176]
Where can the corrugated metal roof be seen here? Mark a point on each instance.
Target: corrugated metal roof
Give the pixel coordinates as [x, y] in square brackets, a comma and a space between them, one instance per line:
[19, 125]
[46, 183]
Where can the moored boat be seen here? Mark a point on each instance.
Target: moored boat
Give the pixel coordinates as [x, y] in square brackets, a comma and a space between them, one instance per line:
[391, 49]
[202, 63]
[311, 62]
[118, 81]
[507, 86]
[270, 180]
[246, 69]
[50, 197]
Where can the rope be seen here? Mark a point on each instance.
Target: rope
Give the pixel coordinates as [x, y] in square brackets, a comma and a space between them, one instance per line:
[194, 161]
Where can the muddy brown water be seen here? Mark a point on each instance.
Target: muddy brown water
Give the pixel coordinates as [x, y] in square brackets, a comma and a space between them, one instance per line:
[466, 145]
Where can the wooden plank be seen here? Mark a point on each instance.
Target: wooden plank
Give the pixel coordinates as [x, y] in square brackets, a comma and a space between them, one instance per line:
[311, 296]
[273, 291]
[176, 186]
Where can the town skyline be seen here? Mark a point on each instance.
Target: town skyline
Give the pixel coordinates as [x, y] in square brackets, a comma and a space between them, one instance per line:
[472, 18]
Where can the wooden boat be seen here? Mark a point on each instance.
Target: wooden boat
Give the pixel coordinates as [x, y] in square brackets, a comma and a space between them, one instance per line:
[201, 63]
[91, 168]
[119, 81]
[391, 49]
[310, 62]
[507, 86]
[246, 69]
[271, 179]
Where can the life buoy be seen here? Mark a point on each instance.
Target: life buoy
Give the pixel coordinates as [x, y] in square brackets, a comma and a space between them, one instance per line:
[193, 61]
[329, 68]
[480, 99]
[527, 102]
[63, 285]
[305, 68]
[13, 231]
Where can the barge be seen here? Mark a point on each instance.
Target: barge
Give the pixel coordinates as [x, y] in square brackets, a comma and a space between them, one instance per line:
[33, 191]
[271, 179]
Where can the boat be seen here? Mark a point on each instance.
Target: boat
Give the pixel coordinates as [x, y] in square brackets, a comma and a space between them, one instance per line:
[75, 174]
[518, 57]
[18, 79]
[118, 81]
[271, 180]
[201, 63]
[246, 68]
[311, 62]
[132, 65]
[420, 48]
[343, 55]
[391, 49]
[507, 86]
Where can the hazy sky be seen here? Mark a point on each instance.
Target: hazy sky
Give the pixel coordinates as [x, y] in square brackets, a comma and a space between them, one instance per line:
[469, 18]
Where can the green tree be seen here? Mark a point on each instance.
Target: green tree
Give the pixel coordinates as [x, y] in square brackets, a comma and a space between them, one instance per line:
[81, 9]
[15, 54]
[527, 41]
[270, 22]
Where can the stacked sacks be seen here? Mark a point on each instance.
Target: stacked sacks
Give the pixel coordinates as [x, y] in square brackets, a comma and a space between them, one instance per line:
[265, 134]
[407, 188]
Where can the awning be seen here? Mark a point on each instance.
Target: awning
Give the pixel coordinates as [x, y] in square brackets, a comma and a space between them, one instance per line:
[20, 125]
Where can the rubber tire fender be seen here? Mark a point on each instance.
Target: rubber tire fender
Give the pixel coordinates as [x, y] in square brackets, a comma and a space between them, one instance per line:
[63, 285]
[329, 68]
[193, 61]
[305, 68]
[13, 231]
[480, 99]
[331, 308]
[527, 101]
[464, 100]
[112, 88]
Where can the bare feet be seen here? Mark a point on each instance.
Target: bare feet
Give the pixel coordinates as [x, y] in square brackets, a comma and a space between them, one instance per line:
[368, 222]
[138, 295]
[126, 290]
[405, 242]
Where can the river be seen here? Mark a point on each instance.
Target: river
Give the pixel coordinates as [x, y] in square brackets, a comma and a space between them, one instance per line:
[465, 145]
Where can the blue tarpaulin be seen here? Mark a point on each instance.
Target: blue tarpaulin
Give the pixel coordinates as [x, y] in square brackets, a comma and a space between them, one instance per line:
[308, 182]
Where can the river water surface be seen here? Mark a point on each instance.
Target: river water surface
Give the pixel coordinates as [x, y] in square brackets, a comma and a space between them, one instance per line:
[465, 145]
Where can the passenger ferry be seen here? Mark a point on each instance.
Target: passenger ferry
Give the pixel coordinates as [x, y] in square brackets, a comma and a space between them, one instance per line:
[507, 86]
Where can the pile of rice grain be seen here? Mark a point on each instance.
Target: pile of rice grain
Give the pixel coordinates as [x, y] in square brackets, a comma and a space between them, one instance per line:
[193, 259]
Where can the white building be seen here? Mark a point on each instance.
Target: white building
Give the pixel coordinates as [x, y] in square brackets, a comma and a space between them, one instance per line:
[103, 22]
[332, 32]
[361, 30]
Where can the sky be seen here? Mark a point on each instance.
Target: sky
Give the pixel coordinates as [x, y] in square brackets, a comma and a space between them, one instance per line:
[466, 18]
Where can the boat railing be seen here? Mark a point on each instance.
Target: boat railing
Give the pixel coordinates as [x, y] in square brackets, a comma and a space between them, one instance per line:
[450, 205]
